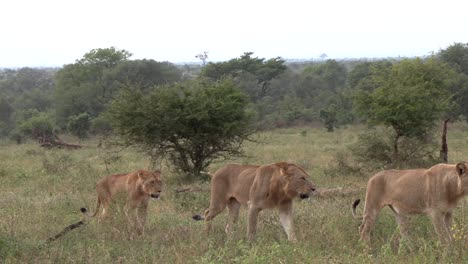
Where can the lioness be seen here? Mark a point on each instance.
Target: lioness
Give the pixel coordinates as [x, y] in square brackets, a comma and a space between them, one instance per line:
[140, 186]
[259, 187]
[434, 191]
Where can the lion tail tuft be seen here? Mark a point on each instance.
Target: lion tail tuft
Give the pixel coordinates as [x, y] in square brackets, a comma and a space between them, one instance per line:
[355, 204]
[83, 210]
[198, 217]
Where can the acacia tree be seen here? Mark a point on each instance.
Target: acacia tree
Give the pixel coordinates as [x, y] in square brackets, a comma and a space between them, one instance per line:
[190, 123]
[246, 66]
[456, 55]
[409, 97]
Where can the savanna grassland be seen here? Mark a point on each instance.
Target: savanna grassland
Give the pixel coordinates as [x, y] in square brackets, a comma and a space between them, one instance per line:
[42, 190]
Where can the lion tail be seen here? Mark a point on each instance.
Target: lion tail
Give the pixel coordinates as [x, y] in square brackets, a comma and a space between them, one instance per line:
[198, 217]
[85, 211]
[354, 206]
[64, 231]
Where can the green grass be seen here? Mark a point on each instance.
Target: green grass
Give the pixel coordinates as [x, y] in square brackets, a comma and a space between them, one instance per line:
[41, 192]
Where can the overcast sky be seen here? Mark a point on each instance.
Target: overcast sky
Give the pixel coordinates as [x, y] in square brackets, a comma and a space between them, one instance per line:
[57, 32]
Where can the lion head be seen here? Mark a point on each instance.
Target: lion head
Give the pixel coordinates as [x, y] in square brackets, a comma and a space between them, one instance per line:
[298, 182]
[150, 182]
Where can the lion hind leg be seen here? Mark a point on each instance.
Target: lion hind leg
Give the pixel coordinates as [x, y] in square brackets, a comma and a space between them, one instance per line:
[368, 221]
[98, 205]
[211, 213]
[105, 209]
[402, 227]
[233, 208]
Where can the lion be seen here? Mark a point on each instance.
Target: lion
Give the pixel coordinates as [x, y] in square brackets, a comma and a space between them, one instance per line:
[140, 187]
[434, 192]
[258, 187]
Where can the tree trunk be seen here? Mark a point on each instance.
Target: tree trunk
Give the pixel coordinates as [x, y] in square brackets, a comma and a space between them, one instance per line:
[444, 148]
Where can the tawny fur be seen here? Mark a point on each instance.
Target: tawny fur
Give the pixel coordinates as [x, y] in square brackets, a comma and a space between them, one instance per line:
[140, 187]
[434, 192]
[258, 187]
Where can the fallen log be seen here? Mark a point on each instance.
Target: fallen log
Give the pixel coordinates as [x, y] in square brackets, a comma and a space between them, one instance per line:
[57, 143]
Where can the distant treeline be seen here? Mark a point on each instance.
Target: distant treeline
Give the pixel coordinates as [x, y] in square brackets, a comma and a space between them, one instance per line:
[34, 101]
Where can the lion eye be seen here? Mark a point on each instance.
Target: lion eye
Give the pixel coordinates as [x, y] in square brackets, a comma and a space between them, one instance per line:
[304, 179]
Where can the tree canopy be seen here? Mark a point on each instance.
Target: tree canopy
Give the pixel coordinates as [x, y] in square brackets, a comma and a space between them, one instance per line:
[93, 81]
[263, 71]
[190, 123]
[409, 97]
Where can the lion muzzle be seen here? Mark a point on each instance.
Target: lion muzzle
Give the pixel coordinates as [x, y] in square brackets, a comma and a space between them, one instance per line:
[308, 194]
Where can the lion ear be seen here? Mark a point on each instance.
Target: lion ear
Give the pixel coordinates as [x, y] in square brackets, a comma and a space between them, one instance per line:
[461, 168]
[157, 174]
[283, 166]
[142, 175]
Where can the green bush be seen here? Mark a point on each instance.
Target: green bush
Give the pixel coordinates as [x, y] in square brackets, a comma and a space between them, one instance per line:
[79, 125]
[39, 125]
[191, 123]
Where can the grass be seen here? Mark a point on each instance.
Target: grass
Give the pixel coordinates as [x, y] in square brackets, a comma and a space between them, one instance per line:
[41, 192]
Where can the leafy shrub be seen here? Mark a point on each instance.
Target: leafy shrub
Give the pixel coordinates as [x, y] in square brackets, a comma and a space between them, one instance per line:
[40, 125]
[373, 151]
[79, 125]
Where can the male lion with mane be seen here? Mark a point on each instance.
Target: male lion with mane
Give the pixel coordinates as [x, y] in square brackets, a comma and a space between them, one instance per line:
[140, 186]
[434, 191]
[258, 187]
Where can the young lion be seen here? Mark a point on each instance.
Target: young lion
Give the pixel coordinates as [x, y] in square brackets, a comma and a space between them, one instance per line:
[258, 187]
[140, 186]
[435, 192]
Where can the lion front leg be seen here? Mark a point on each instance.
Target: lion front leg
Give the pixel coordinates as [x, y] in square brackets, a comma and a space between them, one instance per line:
[130, 212]
[141, 217]
[252, 223]
[286, 219]
[438, 221]
[448, 225]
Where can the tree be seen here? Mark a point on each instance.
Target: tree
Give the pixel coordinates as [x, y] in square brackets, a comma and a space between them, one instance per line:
[79, 125]
[6, 113]
[39, 126]
[264, 71]
[359, 76]
[409, 98]
[190, 123]
[332, 72]
[328, 117]
[456, 56]
[80, 86]
[93, 81]
[203, 57]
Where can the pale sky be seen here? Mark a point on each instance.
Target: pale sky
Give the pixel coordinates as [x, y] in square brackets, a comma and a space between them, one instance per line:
[39, 33]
